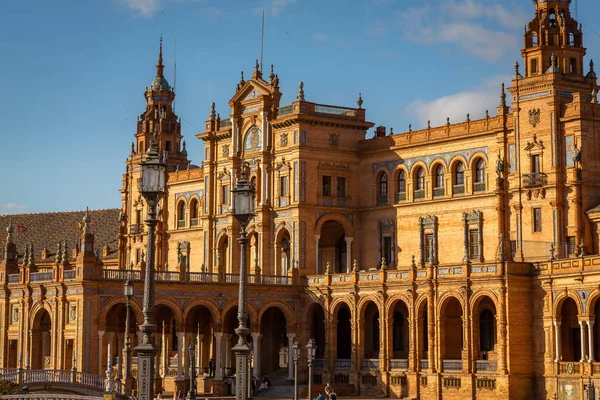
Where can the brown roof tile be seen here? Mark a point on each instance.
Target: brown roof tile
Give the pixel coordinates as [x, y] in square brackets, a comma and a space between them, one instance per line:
[45, 230]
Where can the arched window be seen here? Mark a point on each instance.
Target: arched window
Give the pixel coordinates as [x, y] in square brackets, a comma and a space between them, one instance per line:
[487, 333]
[459, 174]
[480, 171]
[194, 212]
[534, 40]
[420, 179]
[402, 182]
[383, 184]
[552, 18]
[439, 176]
[181, 211]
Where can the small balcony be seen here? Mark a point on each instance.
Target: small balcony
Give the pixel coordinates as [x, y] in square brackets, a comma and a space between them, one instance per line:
[195, 222]
[419, 194]
[342, 363]
[535, 179]
[458, 189]
[452, 365]
[181, 223]
[439, 192]
[478, 187]
[400, 197]
[399, 365]
[369, 364]
[486, 365]
[382, 200]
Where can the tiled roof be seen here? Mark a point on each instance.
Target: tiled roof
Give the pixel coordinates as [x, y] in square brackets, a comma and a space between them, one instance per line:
[45, 230]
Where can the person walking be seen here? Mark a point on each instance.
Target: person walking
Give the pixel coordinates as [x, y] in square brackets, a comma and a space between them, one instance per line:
[211, 367]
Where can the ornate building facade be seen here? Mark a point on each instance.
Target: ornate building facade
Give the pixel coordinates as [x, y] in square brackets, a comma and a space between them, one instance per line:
[459, 261]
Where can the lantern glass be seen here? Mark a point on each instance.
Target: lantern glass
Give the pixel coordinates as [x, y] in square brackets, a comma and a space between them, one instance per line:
[128, 288]
[153, 176]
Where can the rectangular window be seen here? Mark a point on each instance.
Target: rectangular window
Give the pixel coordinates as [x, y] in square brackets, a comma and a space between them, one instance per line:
[513, 248]
[534, 66]
[570, 245]
[326, 185]
[141, 147]
[387, 249]
[341, 186]
[168, 146]
[473, 244]
[225, 194]
[283, 186]
[428, 247]
[535, 164]
[138, 255]
[206, 153]
[573, 65]
[537, 219]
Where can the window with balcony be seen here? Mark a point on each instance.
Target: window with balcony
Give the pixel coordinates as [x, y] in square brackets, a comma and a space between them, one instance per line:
[459, 179]
[194, 212]
[382, 191]
[479, 185]
[181, 214]
[438, 188]
[419, 184]
[401, 194]
[283, 186]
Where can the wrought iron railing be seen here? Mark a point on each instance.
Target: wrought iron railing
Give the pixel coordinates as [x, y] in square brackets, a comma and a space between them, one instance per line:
[419, 194]
[458, 189]
[479, 187]
[535, 179]
[400, 197]
[194, 221]
[439, 192]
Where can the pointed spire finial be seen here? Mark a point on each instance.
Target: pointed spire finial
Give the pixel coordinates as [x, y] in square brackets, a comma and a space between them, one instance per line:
[503, 96]
[31, 256]
[300, 96]
[517, 73]
[10, 230]
[359, 101]
[58, 255]
[242, 81]
[160, 67]
[86, 221]
[271, 75]
[257, 73]
[213, 114]
[592, 73]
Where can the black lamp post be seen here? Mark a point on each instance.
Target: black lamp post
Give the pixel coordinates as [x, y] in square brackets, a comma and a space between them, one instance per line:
[152, 187]
[243, 211]
[192, 393]
[311, 351]
[128, 292]
[296, 355]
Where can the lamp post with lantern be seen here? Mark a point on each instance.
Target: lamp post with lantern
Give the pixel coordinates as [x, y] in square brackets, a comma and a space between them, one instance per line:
[128, 292]
[296, 355]
[152, 187]
[311, 351]
[243, 211]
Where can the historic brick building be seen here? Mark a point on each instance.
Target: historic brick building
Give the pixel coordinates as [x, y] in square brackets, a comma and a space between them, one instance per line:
[459, 261]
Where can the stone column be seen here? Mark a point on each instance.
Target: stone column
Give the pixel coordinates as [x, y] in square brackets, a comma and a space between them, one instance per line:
[179, 354]
[227, 349]
[590, 325]
[100, 336]
[582, 334]
[200, 348]
[557, 340]
[256, 336]
[120, 350]
[186, 357]
[502, 350]
[317, 237]
[349, 254]
[290, 337]
[218, 368]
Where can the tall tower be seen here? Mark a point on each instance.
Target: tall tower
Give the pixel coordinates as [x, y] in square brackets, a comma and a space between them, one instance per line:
[158, 121]
[553, 32]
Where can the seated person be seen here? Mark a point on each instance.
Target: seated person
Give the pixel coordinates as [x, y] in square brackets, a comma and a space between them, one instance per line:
[320, 396]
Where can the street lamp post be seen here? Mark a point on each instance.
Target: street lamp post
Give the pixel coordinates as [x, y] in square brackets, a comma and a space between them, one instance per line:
[152, 187]
[128, 292]
[296, 355]
[311, 350]
[192, 393]
[243, 211]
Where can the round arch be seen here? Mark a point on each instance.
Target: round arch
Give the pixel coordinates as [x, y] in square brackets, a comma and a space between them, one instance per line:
[415, 167]
[363, 304]
[39, 306]
[173, 306]
[210, 305]
[136, 309]
[473, 160]
[561, 298]
[290, 318]
[250, 309]
[433, 165]
[337, 217]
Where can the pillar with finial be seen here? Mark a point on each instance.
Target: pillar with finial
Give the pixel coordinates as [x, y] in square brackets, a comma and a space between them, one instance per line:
[592, 73]
[242, 81]
[271, 76]
[9, 264]
[503, 96]
[257, 73]
[359, 101]
[300, 96]
[517, 73]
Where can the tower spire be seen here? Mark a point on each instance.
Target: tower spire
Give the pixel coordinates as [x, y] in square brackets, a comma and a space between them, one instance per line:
[160, 67]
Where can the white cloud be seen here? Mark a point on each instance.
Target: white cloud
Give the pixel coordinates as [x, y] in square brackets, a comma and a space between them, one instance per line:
[12, 208]
[275, 7]
[452, 24]
[145, 8]
[321, 37]
[475, 101]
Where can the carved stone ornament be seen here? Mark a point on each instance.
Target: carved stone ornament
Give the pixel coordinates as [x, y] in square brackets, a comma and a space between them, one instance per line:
[534, 116]
[284, 139]
[226, 150]
[334, 140]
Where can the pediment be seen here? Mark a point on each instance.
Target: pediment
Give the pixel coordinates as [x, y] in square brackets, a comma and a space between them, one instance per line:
[534, 146]
[251, 91]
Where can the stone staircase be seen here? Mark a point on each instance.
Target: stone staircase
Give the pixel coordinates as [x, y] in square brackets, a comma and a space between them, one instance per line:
[281, 386]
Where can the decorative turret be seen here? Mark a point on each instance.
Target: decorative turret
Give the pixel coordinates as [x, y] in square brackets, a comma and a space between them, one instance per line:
[553, 31]
[9, 259]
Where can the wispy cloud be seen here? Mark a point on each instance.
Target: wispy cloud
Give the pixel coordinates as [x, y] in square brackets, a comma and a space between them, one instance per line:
[144, 8]
[377, 28]
[321, 37]
[274, 7]
[12, 208]
[485, 96]
[454, 23]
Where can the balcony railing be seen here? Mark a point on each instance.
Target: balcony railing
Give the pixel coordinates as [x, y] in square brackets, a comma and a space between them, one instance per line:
[569, 368]
[479, 187]
[535, 179]
[121, 274]
[14, 278]
[40, 277]
[322, 109]
[69, 275]
[399, 365]
[452, 365]
[181, 223]
[382, 199]
[194, 221]
[232, 278]
[166, 276]
[419, 194]
[275, 280]
[134, 229]
[224, 123]
[400, 197]
[342, 363]
[458, 189]
[424, 364]
[486, 365]
[439, 192]
[284, 110]
[318, 364]
[369, 364]
[203, 277]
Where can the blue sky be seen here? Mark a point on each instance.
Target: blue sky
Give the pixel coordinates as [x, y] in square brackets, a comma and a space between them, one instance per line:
[74, 72]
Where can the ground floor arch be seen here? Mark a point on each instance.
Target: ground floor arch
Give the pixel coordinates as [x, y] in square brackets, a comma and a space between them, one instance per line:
[41, 341]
